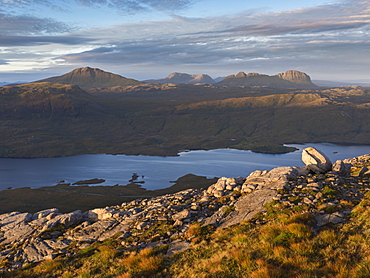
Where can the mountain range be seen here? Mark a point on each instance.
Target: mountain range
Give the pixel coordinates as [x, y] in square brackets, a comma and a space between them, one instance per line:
[88, 78]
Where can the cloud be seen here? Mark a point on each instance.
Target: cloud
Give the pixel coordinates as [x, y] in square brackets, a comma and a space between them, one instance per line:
[137, 5]
[328, 38]
[29, 25]
[7, 41]
[245, 36]
[122, 5]
[3, 62]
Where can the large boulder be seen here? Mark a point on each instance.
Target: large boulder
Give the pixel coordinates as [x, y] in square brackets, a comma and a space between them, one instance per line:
[316, 161]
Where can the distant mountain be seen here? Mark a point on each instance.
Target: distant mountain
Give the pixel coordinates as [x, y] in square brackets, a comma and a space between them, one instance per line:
[219, 79]
[88, 78]
[177, 78]
[291, 79]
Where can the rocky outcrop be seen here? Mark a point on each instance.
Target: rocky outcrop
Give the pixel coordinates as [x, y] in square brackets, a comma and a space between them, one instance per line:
[296, 77]
[47, 234]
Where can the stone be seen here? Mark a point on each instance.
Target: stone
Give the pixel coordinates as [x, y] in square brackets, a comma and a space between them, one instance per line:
[341, 168]
[178, 246]
[231, 182]
[45, 213]
[248, 206]
[181, 215]
[142, 225]
[100, 214]
[178, 223]
[221, 184]
[68, 220]
[319, 195]
[316, 161]
[10, 220]
[325, 219]
[218, 193]
[364, 172]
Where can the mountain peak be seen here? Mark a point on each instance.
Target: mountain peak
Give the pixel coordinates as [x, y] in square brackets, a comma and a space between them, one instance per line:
[295, 76]
[291, 79]
[87, 78]
[179, 78]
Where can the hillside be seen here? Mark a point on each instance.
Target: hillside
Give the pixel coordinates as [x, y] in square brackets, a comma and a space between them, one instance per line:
[287, 222]
[290, 79]
[180, 78]
[91, 78]
[48, 119]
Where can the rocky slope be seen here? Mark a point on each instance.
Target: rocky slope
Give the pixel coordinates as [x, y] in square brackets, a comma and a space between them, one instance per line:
[179, 78]
[325, 191]
[91, 78]
[290, 79]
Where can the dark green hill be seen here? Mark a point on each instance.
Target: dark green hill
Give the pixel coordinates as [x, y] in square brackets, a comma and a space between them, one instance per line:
[92, 78]
[45, 119]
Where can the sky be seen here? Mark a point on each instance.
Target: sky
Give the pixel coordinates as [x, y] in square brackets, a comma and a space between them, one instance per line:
[144, 39]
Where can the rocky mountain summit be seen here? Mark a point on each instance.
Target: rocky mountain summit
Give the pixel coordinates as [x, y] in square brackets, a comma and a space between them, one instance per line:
[287, 80]
[328, 192]
[178, 78]
[91, 78]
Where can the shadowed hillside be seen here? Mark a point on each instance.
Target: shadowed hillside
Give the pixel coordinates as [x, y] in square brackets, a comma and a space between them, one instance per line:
[48, 119]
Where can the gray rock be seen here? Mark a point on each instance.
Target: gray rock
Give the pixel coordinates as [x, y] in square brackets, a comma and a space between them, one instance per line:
[341, 168]
[100, 214]
[364, 172]
[215, 219]
[10, 220]
[142, 225]
[176, 247]
[316, 161]
[94, 231]
[68, 220]
[17, 233]
[39, 249]
[248, 206]
[45, 213]
[218, 193]
[324, 219]
[181, 215]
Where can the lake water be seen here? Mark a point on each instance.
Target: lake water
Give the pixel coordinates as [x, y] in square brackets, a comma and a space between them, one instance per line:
[157, 172]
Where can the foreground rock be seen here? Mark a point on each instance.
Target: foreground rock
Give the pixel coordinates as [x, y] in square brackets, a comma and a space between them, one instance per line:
[316, 161]
[27, 238]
